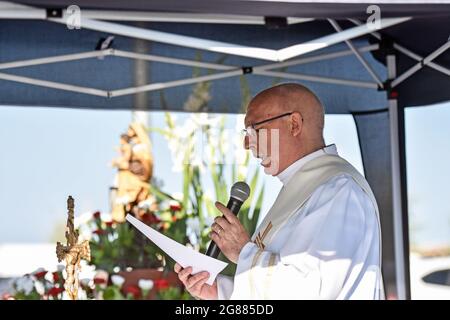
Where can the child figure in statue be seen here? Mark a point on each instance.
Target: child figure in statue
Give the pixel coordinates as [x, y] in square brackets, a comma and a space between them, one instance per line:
[135, 166]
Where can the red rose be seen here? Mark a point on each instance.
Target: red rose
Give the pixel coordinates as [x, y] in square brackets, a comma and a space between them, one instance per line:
[99, 232]
[55, 291]
[161, 284]
[56, 276]
[99, 281]
[40, 274]
[150, 218]
[96, 214]
[175, 206]
[133, 290]
[109, 224]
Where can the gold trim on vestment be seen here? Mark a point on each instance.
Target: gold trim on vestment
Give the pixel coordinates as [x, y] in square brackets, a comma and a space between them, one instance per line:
[250, 274]
[270, 268]
[260, 238]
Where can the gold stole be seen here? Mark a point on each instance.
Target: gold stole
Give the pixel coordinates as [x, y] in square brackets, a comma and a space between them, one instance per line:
[295, 194]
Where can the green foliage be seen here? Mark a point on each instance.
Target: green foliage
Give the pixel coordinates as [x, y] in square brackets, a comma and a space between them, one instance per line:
[173, 293]
[196, 204]
[112, 293]
[119, 245]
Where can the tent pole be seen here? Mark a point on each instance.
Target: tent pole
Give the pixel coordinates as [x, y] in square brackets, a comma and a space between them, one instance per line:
[55, 59]
[175, 83]
[319, 57]
[183, 62]
[313, 78]
[54, 85]
[396, 124]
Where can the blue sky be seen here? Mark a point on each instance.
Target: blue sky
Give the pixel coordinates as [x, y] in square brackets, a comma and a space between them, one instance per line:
[47, 154]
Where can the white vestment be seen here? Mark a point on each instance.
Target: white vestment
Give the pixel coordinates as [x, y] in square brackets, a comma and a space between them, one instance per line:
[326, 245]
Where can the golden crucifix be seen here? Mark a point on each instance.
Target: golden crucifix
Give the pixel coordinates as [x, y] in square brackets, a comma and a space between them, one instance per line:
[72, 253]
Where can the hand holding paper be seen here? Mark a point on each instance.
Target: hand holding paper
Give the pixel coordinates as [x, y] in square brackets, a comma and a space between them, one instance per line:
[185, 256]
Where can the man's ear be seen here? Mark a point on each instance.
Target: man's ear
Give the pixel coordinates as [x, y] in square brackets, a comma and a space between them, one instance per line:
[296, 124]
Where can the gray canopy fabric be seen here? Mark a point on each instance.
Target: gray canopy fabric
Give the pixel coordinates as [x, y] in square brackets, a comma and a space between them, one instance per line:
[374, 76]
[117, 73]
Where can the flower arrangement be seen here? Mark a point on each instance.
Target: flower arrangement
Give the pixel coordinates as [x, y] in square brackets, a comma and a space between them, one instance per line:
[39, 285]
[118, 246]
[114, 287]
[45, 285]
[185, 217]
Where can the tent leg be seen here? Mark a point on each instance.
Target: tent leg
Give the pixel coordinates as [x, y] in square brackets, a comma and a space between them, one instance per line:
[399, 203]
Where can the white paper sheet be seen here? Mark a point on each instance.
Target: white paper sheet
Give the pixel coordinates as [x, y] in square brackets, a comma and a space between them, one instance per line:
[185, 256]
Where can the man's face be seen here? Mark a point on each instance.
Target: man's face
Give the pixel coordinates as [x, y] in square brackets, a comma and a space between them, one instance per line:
[265, 141]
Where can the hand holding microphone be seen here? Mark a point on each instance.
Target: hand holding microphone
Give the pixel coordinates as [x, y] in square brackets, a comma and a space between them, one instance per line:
[227, 233]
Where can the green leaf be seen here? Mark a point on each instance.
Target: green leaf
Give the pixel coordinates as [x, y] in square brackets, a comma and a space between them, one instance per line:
[112, 293]
[169, 120]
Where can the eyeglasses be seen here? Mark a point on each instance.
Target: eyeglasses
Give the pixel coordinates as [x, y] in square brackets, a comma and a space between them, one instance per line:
[251, 127]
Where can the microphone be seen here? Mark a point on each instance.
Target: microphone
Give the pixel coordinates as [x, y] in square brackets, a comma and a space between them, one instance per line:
[240, 191]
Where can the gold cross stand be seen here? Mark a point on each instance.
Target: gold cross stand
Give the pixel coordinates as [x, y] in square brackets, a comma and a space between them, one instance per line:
[72, 253]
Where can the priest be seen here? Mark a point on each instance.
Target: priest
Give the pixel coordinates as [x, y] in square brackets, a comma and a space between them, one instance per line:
[321, 239]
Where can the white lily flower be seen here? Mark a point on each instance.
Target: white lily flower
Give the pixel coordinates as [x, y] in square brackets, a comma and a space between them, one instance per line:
[117, 280]
[112, 237]
[242, 171]
[86, 282]
[188, 128]
[39, 287]
[164, 205]
[213, 137]
[207, 194]
[193, 225]
[178, 196]
[145, 284]
[146, 204]
[198, 162]
[173, 203]
[225, 143]
[25, 284]
[209, 220]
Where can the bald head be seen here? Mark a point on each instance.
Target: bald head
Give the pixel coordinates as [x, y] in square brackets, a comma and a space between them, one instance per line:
[291, 97]
[283, 140]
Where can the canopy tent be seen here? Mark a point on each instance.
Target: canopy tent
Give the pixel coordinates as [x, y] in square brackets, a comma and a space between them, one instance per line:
[162, 49]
